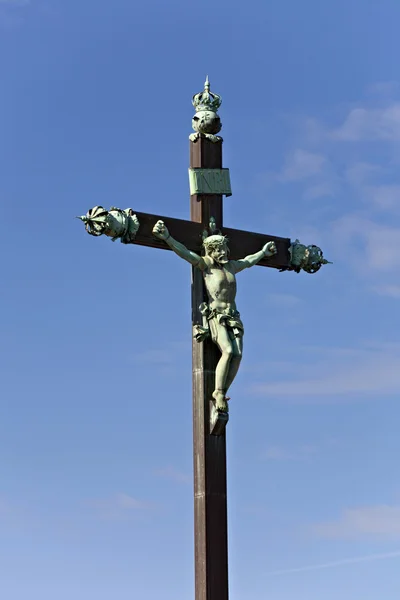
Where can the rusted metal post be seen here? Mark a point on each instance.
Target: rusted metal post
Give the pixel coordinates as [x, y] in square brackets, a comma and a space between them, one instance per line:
[210, 499]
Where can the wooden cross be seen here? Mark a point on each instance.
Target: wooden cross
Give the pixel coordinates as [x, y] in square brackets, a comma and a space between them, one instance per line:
[209, 437]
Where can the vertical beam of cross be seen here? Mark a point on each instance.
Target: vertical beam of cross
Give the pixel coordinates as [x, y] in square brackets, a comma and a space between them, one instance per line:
[209, 451]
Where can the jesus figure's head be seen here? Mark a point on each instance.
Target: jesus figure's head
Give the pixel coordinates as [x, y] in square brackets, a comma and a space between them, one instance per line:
[216, 247]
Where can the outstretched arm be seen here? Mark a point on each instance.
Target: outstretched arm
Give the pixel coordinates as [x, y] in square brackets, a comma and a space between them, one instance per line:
[161, 231]
[249, 261]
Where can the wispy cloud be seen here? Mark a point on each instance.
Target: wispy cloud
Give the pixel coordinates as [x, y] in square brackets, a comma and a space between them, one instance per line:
[320, 190]
[155, 357]
[337, 563]
[174, 474]
[341, 374]
[281, 453]
[312, 170]
[327, 168]
[301, 165]
[370, 124]
[361, 172]
[376, 185]
[283, 299]
[167, 356]
[392, 291]
[120, 506]
[385, 197]
[382, 521]
[166, 360]
[369, 245]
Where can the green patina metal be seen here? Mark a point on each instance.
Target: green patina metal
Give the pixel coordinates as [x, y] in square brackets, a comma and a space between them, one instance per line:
[210, 181]
[206, 121]
[114, 223]
[306, 258]
[221, 319]
[206, 100]
[215, 318]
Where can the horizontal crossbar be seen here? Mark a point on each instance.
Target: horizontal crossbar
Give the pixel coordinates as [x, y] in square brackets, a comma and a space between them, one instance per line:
[189, 233]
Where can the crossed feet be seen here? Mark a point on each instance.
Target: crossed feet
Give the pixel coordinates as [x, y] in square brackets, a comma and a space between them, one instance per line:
[221, 401]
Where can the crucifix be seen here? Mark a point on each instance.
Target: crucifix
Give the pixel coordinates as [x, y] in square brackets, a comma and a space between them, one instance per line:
[217, 254]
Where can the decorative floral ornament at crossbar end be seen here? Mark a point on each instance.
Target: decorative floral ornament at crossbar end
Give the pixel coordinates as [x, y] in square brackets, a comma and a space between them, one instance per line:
[306, 258]
[114, 223]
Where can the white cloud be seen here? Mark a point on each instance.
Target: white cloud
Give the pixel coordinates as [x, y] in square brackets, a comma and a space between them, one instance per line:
[361, 187]
[119, 506]
[338, 563]
[166, 360]
[385, 197]
[155, 357]
[129, 503]
[393, 291]
[312, 130]
[373, 370]
[174, 475]
[360, 172]
[380, 244]
[370, 124]
[381, 521]
[320, 190]
[377, 186]
[301, 165]
[283, 299]
[311, 169]
[281, 453]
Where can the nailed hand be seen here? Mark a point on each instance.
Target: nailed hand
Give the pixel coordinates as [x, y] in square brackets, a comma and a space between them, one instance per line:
[270, 249]
[160, 230]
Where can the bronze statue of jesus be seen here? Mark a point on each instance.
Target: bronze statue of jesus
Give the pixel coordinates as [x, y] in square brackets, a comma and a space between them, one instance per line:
[221, 315]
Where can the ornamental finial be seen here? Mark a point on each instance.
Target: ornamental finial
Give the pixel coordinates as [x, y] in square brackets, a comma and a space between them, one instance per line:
[206, 100]
[206, 122]
[306, 258]
[115, 223]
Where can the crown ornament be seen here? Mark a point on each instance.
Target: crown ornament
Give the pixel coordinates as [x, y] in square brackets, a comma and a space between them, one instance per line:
[206, 122]
[206, 100]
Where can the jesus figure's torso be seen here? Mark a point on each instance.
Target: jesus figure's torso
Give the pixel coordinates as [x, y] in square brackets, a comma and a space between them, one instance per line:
[220, 282]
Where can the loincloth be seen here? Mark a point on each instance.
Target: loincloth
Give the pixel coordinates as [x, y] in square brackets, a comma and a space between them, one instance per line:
[212, 317]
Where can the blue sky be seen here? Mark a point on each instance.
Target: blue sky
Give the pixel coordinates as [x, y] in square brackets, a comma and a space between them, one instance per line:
[95, 434]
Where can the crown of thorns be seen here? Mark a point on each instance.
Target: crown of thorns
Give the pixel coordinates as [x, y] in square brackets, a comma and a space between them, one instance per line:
[214, 241]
